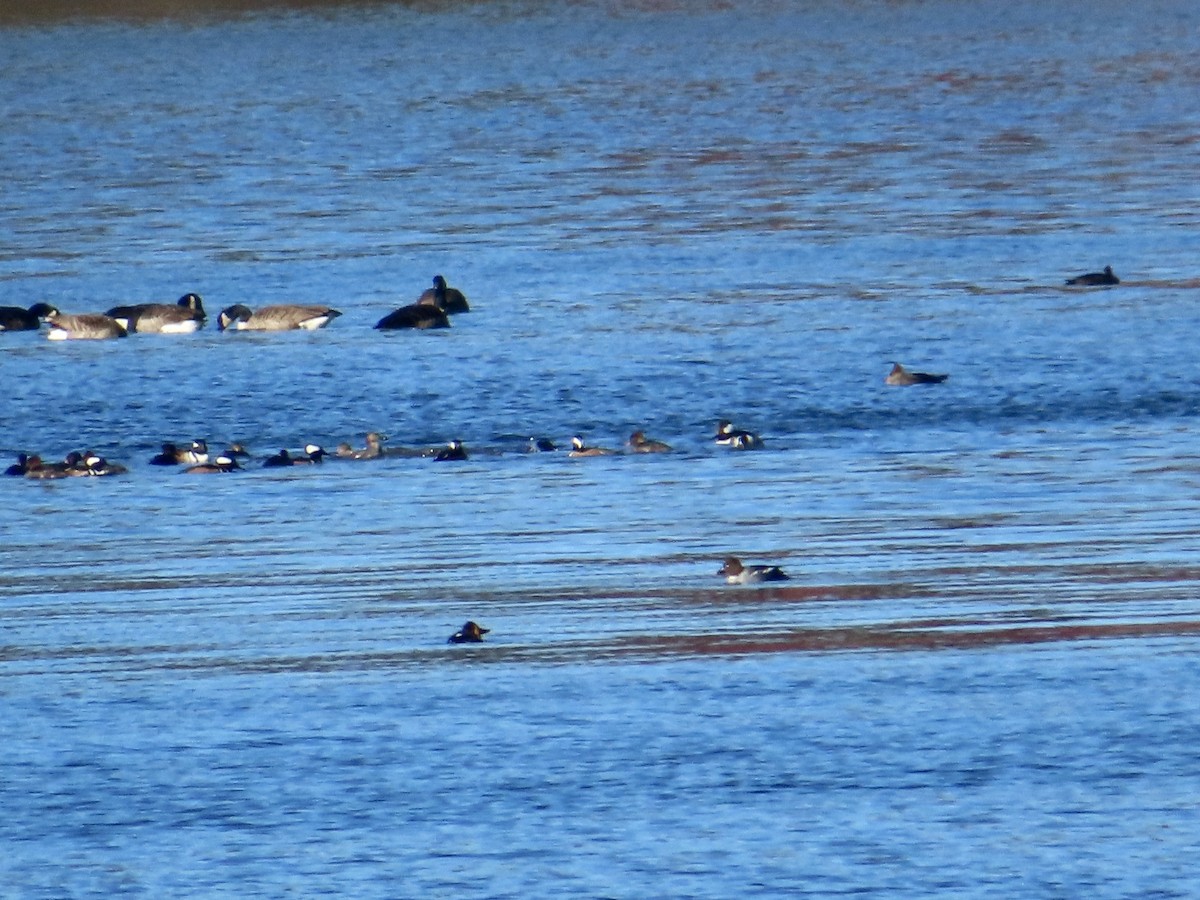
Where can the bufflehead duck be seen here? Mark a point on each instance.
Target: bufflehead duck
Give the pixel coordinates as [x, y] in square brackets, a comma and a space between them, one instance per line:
[173, 455]
[903, 377]
[541, 445]
[1096, 278]
[728, 436]
[83, 327]
[13, 318]
[639, 443]
[313, 454]
[447, 299]
[219, 466]
[453, 451]
[468, 634]
[415, 315]
[281, 317]
[579, 449]
[182, 317]
[736, 573]
[96, 465]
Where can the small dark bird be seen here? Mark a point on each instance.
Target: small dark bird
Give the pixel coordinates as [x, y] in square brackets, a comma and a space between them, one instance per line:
[447, 299]
[1096, 278]
[452, 451]
[541, 445]
[279, 460]
[468, 634]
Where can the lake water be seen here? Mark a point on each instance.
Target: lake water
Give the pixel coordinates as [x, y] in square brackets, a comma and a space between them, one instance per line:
[980, 680]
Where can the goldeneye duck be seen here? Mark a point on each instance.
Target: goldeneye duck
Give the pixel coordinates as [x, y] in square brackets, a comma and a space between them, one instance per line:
[454, 450]
[447, 299]
[728, 436]
[903, 377]
[736, 573]
[83, 327]
[639, 443]
[416, 315]
[219, 466]
[1096, 278]
[182, 317]
[578, 448]
[280, 317]
[468, 634]
[13, 318]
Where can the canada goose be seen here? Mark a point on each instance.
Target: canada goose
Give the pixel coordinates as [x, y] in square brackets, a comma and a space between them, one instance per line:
[282, 317]
[182, 317]
[83, 327]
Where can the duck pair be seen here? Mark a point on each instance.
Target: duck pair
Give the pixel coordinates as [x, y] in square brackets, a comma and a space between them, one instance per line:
[75, 464]
[313, 455]
[432, 309]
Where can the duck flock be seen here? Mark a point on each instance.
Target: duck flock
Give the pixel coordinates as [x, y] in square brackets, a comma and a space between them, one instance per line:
[432, 309]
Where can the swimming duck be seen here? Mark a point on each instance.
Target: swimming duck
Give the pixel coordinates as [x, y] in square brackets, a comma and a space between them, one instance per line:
[447, 299]
[468, 634]
[453, 451]
[728, 436]
[182, 317]
[236, 449]
[13, 318]
[281, 317]
[373, 450]
[903, 377]
[639, 443]
[541, 445]
[86, 326]
[313, 454]
[1096, 278]
[415, 315]
[72, 464]
[219, 466]
[579, 449]
[173, 455]
[20, 466]
[97, 466]
[736, 573]
[279, 460]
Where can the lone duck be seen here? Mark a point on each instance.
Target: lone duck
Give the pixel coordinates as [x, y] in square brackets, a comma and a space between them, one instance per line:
[541, 445]
[728, 436]
[416, 315]
[452, 451]
[83, 327]
[220, 466]
[282, 317]
[13, 318]
[736, 573]
[182, 317]
[1095, 278]
[578, 448]
[468, 634]
[639, 443]
[903, 377]
[447, 299]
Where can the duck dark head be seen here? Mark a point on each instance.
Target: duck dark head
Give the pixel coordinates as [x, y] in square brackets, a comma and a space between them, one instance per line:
[470, 633]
